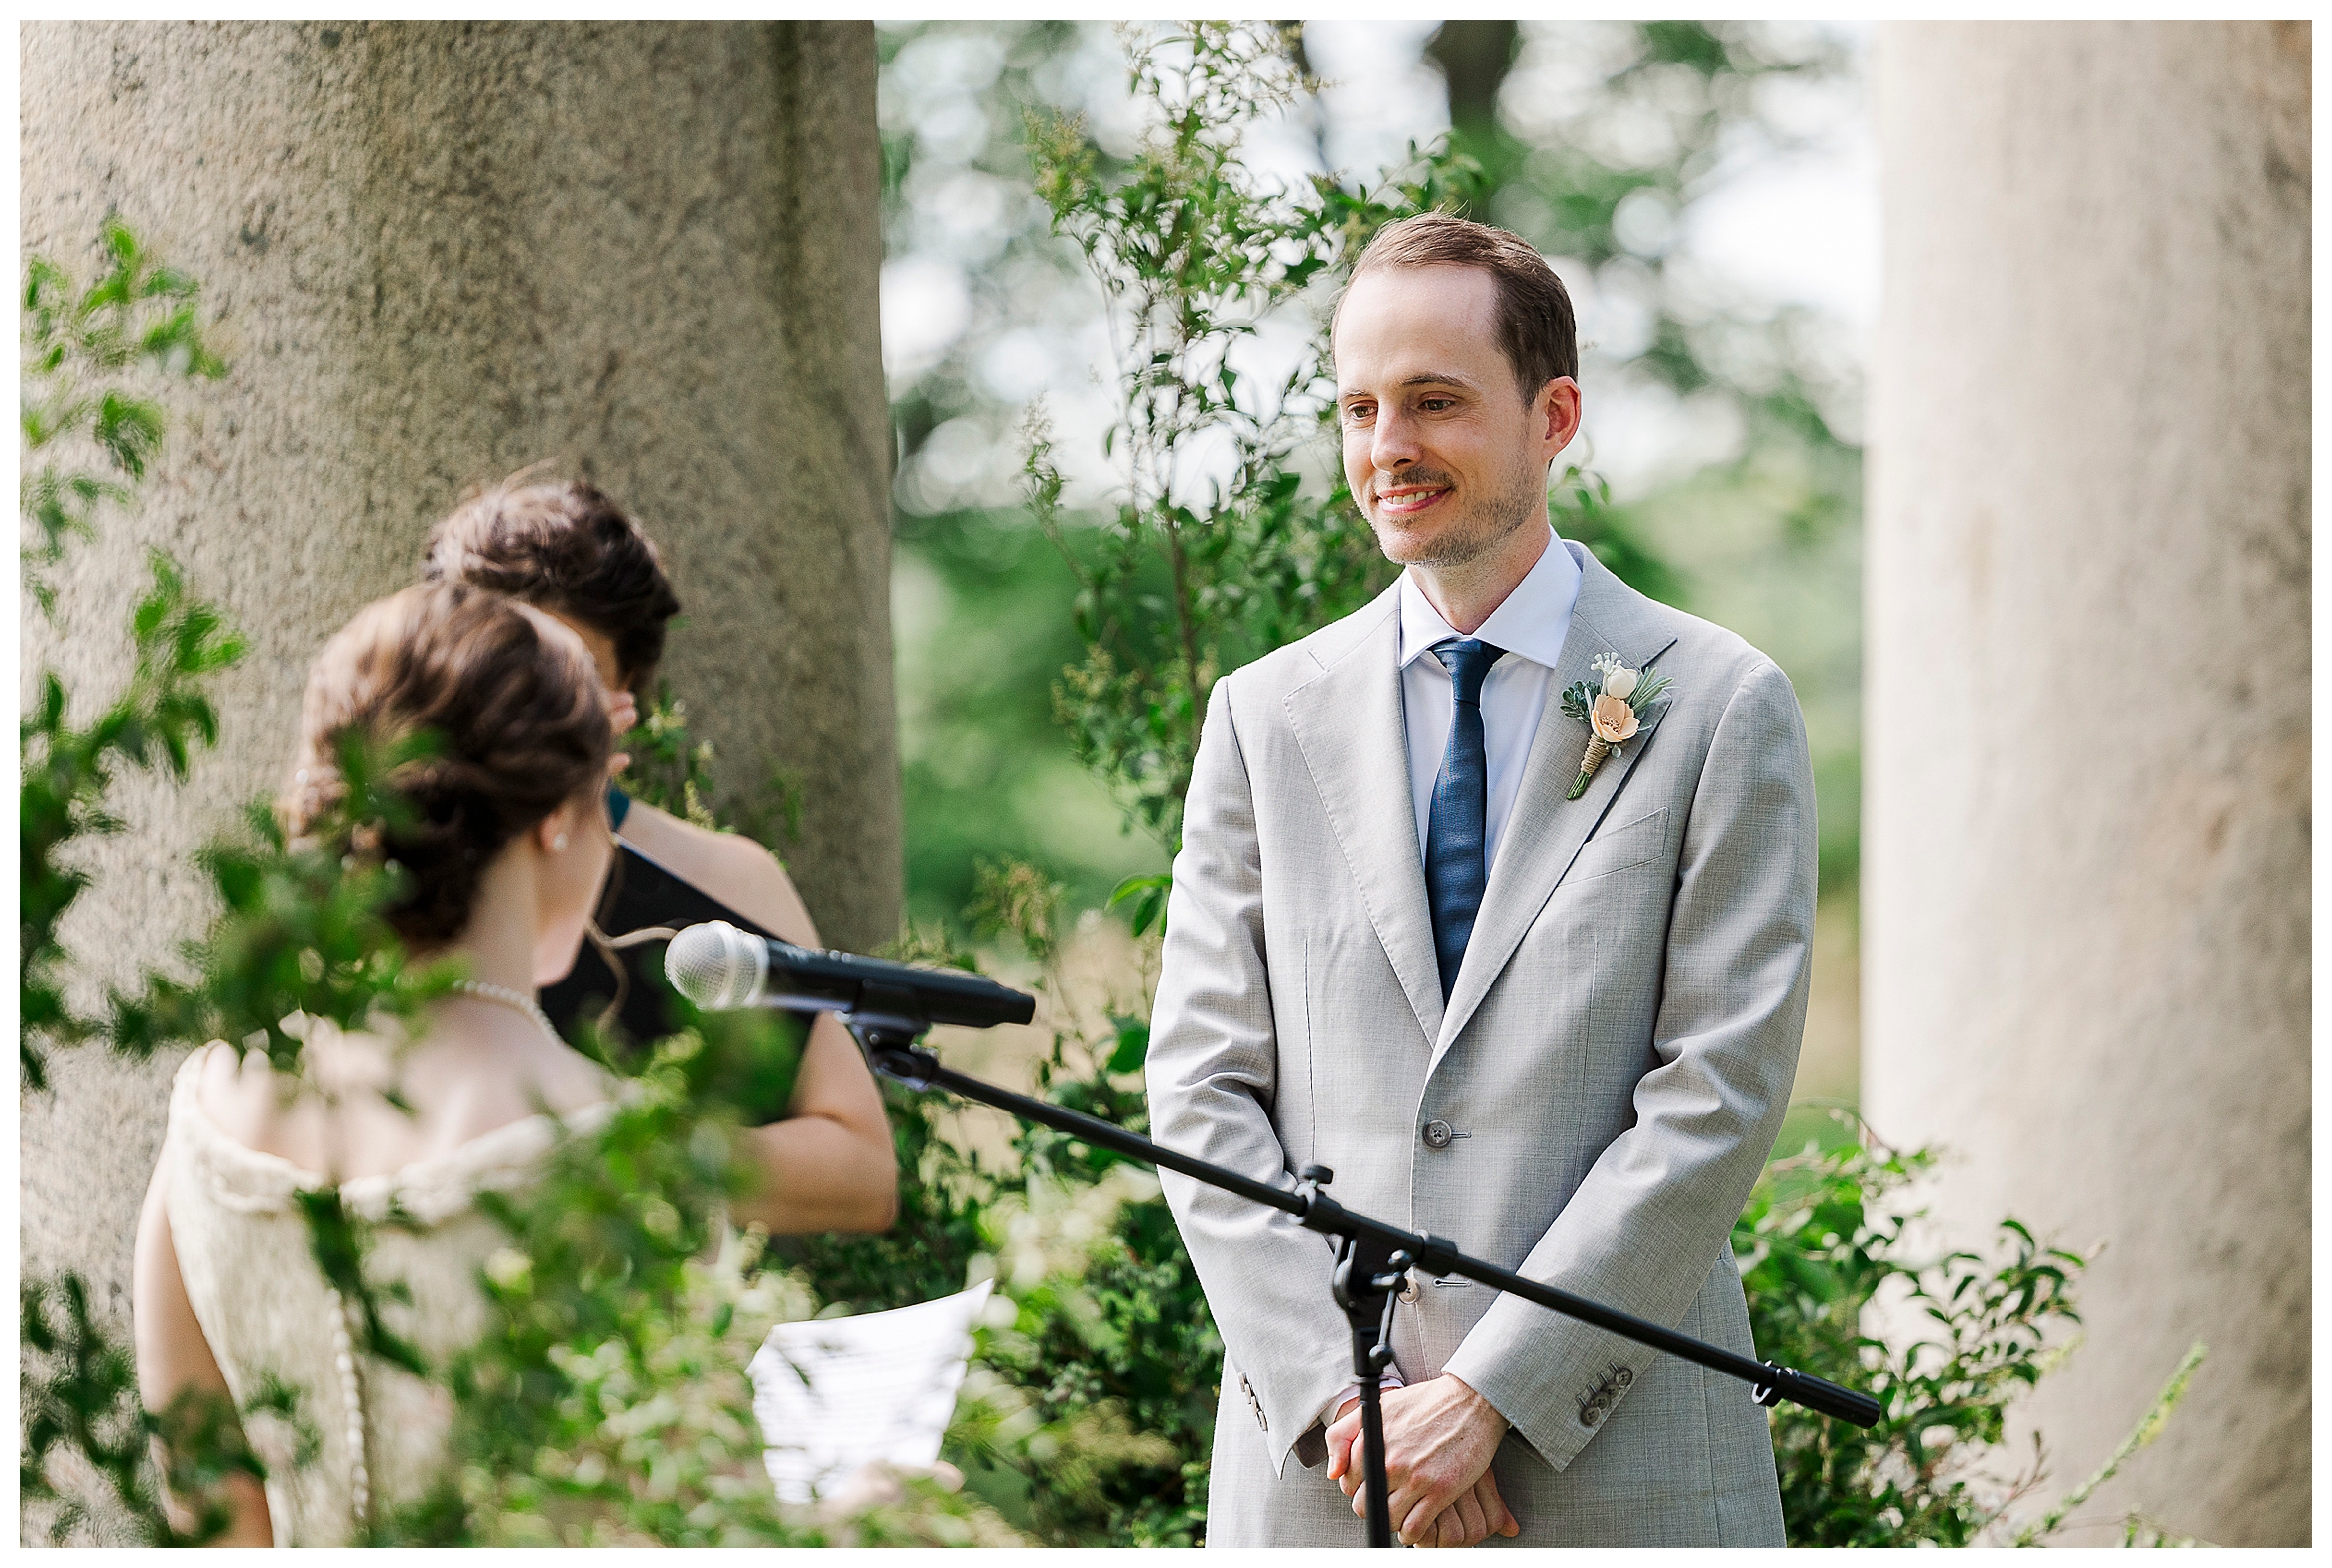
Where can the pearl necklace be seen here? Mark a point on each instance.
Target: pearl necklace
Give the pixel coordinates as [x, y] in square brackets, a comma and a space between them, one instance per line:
[507, 997]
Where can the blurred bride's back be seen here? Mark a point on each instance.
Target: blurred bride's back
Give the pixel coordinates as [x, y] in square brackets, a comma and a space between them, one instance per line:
[505, 857]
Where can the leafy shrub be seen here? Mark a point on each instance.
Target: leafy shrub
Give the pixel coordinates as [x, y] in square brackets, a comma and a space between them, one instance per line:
[1825, 1242]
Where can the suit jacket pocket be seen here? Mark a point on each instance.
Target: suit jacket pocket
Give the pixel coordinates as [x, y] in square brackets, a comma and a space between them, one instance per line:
[1621, 849]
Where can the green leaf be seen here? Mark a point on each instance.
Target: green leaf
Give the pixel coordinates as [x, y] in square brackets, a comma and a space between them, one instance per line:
[1134, 1045]
[1147, 895]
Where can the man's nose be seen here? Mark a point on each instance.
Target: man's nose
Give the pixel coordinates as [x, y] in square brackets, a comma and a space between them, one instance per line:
[1396, 441]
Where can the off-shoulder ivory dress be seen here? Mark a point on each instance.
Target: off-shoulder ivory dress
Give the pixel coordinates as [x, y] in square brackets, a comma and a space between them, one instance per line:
[268, 1311]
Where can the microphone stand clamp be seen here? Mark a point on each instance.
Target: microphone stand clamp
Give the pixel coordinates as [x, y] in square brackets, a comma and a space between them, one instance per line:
[1368, 1284]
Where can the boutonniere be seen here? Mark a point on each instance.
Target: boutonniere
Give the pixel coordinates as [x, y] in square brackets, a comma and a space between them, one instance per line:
[1612, 715]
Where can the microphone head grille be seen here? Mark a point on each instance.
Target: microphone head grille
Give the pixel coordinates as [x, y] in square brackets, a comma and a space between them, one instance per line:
[715, 966]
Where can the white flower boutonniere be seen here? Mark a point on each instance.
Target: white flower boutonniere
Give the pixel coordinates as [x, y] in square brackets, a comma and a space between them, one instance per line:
[1612, 715]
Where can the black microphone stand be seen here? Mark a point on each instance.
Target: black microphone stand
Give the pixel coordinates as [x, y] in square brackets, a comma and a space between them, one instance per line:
[1371, 1257]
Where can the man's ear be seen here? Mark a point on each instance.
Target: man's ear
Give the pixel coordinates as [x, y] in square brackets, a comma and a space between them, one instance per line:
[1558, 410]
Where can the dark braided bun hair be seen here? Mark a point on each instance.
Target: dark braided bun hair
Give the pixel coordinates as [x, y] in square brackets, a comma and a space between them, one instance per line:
[564, 547]
[521, 726]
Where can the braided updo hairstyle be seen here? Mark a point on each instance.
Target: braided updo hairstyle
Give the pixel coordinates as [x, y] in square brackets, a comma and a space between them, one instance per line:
[564, 547]
[522, 729]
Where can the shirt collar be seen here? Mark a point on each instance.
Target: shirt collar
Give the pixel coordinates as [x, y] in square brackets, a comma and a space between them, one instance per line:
[1532, 621]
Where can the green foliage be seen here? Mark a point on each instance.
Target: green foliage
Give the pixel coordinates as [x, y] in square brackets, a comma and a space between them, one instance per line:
[1825, 1235]
[1098, 1397]
[1197, 573]
[1812, 1261]
[79, 1397]
[943, 1191]
[670, 769]
[86, 354]
[673, 771]
[1101, 1392]
[162, 714]
[606, 1402]
[1759, 532]
[984, 770]
[302, 933]
[1580, 506]
[138, 315]
[1145, 898]
[1601, 173]
[2136, 1528]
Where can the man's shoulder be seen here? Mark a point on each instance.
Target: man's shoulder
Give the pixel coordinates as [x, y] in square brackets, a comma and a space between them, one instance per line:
[1298, 663]
[1724, 659]
[1720, 660]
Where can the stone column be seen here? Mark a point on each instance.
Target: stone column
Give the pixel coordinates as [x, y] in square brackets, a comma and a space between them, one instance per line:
[436, 253]
[2087, 812]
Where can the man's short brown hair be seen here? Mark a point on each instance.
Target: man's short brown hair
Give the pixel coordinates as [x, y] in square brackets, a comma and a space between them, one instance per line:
[564, 547]
[1536, 326]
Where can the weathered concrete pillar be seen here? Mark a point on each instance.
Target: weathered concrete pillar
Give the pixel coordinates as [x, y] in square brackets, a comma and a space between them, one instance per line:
[438, 252]
[2087, 819]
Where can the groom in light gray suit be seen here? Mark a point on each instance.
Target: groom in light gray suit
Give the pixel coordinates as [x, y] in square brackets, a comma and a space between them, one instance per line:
[1559, 1031]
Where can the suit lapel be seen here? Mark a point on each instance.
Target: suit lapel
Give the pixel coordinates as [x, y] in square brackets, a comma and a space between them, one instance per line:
[1347, 725]
[1544, 833]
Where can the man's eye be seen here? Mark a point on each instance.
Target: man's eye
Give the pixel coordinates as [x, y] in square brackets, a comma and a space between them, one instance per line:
[1434, 405]
[1359, 411]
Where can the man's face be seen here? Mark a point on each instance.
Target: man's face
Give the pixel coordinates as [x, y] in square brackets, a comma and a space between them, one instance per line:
[1443, 455]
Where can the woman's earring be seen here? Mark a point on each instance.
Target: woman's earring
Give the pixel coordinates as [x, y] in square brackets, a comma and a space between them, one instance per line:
[557, 844]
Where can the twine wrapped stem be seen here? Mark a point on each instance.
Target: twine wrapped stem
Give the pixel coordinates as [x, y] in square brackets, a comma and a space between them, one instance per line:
[1597, 748]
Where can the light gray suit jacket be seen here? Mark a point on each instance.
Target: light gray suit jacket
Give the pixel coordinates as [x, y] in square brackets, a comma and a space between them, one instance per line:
[1613, 1067]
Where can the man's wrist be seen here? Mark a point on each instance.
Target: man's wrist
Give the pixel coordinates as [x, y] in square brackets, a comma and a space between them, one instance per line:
[1481, 1407]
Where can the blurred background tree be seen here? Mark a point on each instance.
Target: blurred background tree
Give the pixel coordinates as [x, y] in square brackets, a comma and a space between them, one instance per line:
[1722, 398]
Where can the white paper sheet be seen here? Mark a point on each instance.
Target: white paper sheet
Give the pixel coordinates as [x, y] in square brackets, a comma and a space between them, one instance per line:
[836, 1393]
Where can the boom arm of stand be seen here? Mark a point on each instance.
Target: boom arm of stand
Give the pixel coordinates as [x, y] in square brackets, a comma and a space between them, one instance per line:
[891, 1047]
[1818, 1395]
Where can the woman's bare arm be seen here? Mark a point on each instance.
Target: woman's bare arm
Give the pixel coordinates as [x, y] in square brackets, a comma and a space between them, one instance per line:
[174, 1358]
[830, 1166]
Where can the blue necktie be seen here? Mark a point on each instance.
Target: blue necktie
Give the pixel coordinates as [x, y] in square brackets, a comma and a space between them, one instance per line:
[1455, 867]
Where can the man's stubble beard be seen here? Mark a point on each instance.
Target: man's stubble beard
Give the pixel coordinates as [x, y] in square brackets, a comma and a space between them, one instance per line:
[1479, 531]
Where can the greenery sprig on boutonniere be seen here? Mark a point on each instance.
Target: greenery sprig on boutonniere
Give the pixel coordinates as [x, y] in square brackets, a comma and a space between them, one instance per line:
[1612, 715]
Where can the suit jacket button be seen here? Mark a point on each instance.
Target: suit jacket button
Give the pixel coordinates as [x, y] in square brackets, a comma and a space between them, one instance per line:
[1437, 1134]
[1624, 1377]
[1591, 1415]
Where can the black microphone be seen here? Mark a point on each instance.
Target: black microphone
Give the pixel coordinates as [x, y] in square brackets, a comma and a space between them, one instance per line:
[718, 968]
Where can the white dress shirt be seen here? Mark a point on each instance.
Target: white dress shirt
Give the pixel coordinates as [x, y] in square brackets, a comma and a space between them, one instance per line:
[1530, 625]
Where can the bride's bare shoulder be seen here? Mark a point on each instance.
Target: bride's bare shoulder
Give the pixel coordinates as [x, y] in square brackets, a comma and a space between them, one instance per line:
[249, 1101]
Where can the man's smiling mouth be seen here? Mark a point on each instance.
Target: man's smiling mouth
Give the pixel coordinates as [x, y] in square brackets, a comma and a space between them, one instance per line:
[1409, 500]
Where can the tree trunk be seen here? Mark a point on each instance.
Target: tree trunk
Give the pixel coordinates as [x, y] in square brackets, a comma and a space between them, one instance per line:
[2087, 818]
[1474, 57]
[436, 253]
